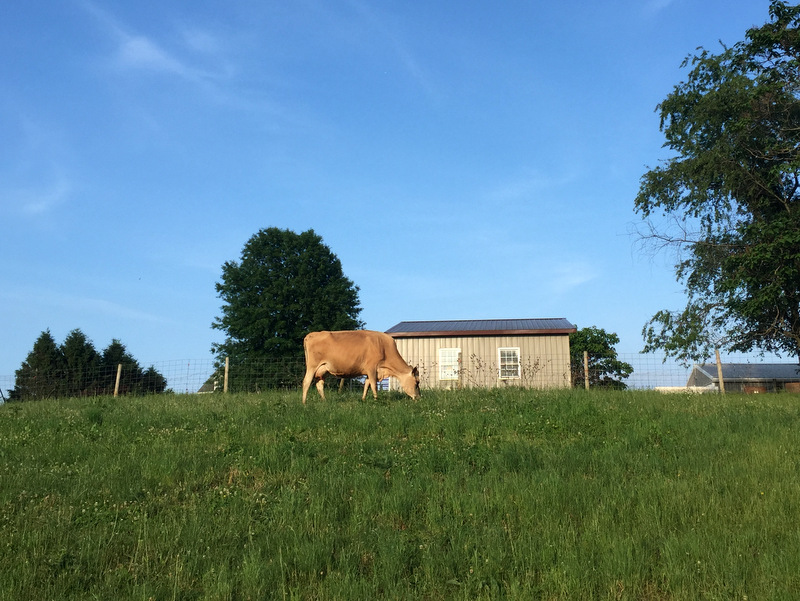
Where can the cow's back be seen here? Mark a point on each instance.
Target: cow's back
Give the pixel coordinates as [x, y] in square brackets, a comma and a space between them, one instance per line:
[347, 351]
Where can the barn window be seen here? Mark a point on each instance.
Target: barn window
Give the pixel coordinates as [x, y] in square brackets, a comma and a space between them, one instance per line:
[509, 363]
[449, 363]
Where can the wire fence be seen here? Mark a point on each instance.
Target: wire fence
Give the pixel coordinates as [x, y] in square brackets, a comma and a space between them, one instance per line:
[192, 376]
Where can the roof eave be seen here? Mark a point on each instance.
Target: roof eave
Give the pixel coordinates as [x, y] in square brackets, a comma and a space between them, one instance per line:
[467, 333]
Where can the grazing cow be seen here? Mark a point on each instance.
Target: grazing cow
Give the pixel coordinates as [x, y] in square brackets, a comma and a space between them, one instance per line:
[352, 353]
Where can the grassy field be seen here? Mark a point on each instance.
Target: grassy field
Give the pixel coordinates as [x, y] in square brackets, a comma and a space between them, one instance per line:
[464, 495]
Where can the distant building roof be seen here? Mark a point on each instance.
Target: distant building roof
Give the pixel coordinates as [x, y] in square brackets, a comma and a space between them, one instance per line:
[480, 327]
[751, 372]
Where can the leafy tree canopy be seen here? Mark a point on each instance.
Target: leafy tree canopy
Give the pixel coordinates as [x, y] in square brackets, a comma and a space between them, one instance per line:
[605, 369]
[284, 286]
[728, 201]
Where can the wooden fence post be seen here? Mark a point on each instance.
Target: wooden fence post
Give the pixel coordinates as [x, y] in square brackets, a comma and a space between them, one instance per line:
[225, 381]
[586, 369]
[719, 373]
[116, 384]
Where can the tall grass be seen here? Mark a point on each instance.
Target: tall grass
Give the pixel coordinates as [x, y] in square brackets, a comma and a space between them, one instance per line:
[462, 495]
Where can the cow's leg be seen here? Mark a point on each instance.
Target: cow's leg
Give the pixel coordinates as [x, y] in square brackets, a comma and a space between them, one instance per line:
[341, 385]
[372, 380]
[319, 376]
[378, 380]
[309, 377]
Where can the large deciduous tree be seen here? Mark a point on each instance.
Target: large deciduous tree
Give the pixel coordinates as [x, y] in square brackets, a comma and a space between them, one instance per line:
[284, 286]
[728, 200]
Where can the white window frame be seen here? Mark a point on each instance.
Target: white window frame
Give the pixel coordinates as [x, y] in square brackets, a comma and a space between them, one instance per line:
[449, 364]
[507, 364]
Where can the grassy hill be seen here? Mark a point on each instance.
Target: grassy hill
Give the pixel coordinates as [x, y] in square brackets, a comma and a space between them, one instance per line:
[463, 495]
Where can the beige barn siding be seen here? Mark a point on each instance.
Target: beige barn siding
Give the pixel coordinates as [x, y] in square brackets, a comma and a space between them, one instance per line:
[544, 360]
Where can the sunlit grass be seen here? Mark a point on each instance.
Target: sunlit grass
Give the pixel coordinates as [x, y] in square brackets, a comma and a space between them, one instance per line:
[462, 495]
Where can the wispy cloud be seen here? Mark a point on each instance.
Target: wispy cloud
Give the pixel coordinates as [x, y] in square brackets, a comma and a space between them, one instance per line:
[42, 199]
[201, 41]
[652, 7]
[37, 180]
[67, 303]
[389, 32]
[195, 56]
[190, 55]
[139, 52]
[566, 276]
[110, 308]
[525, 186]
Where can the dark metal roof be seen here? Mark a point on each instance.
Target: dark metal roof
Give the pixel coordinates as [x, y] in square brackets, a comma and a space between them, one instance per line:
[752, 371]
[480, 327]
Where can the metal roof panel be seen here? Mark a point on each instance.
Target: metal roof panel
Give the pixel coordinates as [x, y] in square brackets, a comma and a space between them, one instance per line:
[481, 327]
[752, 371]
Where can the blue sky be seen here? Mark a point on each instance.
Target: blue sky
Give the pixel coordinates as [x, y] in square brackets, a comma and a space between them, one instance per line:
[463, 160]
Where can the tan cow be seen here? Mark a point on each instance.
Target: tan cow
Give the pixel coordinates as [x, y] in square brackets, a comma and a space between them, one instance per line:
[353, 353]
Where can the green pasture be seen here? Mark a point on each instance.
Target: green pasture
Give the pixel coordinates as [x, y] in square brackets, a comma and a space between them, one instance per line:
[502, 494]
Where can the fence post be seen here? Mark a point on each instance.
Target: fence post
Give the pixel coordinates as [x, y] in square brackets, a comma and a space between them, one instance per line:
[586, 369]
[116, 384]
[225, 381]
[719, 373]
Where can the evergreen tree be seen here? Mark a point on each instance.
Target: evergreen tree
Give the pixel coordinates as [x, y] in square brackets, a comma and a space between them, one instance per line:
[152, 382]
[116, 354]
[81, 365]
[41, 374]
[76, 369]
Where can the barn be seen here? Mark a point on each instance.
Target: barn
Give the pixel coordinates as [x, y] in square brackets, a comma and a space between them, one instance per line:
[487, 353]
[747, 377]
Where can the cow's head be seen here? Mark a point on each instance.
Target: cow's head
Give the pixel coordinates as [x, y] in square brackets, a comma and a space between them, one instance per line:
[410, 383]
